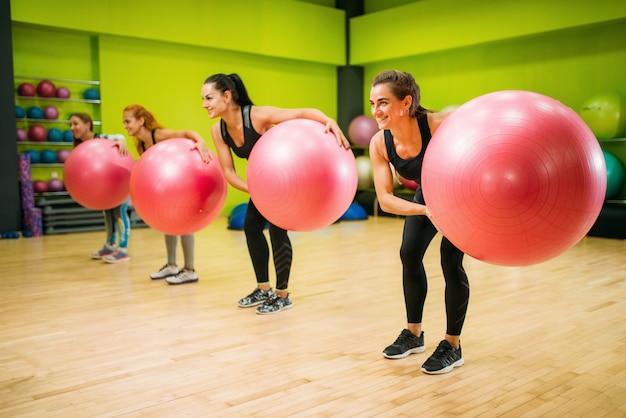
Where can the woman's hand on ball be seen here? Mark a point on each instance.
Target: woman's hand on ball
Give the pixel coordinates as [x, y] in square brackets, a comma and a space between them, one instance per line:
[120, 142]
[331, 126]
[203, 150]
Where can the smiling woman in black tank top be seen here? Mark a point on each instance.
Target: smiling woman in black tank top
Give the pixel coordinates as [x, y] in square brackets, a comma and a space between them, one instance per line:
[406, 129]
[241, 125]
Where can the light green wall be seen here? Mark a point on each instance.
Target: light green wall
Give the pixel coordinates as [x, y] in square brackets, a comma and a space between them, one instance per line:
[162, 62]
[276, 28]
[167, 78]
[570, 66]
[431, 26]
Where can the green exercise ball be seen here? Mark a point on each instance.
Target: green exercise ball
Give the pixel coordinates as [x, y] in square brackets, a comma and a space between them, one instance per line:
[605, 114]
[614, 173]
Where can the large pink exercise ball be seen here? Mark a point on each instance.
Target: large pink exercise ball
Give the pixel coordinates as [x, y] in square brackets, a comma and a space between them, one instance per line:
[361, 129]
[174, 191]
[514, 178]
[299, 178]
[96, 175]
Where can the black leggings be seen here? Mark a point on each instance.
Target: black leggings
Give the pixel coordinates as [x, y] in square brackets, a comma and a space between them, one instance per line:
[253, 226]
[417, 235]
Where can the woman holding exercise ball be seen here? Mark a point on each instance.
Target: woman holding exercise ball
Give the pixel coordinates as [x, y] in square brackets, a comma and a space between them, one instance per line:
[241, 125]
[116, 220]
[141, 124]
[406, 129]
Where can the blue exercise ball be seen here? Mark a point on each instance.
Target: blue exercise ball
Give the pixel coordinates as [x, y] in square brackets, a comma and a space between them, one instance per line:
[34, 112]
[20, 113]
[48, 156]
[55, 135]
[91, 94]
[35, 157]
[68, 136]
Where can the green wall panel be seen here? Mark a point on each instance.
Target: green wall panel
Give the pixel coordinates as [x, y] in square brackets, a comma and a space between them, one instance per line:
[430, 26]
[167, 78]
[277, 28]
[570, 66]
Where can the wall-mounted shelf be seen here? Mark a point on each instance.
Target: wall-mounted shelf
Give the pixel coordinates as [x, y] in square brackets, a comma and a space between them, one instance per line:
[47, 143]
[58, 99]
[95, 122]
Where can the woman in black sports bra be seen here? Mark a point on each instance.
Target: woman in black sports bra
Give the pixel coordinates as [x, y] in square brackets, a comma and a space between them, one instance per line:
[146, 131]
[406, 129]
[241, 125]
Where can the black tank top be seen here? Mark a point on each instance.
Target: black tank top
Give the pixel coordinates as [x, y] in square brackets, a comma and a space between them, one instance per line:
[250, 136]
[143, 146]
[409, 169]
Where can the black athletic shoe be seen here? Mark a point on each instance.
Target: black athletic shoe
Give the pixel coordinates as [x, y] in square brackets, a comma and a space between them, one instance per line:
[444, 359]
[257, 297]
[405, 344]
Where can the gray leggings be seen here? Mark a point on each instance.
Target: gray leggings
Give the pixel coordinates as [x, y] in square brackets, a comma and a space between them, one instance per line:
[187, 242]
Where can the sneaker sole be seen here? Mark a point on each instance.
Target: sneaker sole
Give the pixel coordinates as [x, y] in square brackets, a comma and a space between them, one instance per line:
[116, 261]
[161, 278]
[415, 350]
[250, 305]
[274, 312]
[185, 282]
[447, 369]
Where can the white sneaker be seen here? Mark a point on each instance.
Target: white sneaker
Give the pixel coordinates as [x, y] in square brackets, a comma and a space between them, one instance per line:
[183, 276]
[165, 271]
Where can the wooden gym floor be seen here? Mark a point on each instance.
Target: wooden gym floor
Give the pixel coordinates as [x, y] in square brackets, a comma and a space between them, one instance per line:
[81, 338]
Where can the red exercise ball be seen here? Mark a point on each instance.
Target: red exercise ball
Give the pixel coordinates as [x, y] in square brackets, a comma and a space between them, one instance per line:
[174, 191]
[26, 89]
[514, 178]
[46, 88]
[37, 133]
[361, 129]
[40, 186]
[299, 178]
[96, 175]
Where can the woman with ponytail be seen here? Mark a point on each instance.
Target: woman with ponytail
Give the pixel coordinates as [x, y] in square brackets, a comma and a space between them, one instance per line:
[405, 132]
[242, 124]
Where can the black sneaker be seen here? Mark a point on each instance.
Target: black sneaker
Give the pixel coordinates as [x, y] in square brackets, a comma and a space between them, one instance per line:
[406, 343]
[444, 359]
[257, 297]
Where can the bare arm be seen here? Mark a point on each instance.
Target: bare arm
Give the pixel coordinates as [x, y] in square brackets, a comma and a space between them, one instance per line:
[226, 160]
[383, 182]
[162, 134]
[270, 115]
